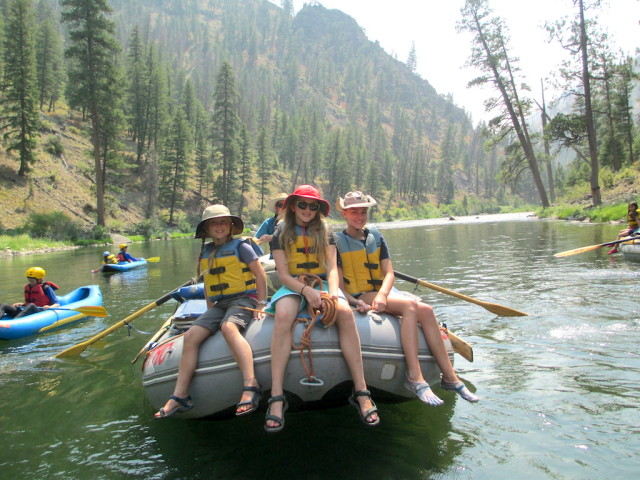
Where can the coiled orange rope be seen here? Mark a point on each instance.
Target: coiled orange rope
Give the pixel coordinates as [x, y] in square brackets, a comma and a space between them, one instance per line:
[327, 313]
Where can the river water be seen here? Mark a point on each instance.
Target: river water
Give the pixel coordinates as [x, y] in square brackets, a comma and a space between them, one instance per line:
[559, 388]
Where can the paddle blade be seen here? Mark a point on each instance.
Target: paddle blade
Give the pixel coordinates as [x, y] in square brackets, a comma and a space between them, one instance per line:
[459, 345]
[576, 251]
[92, 311]
[153, 259]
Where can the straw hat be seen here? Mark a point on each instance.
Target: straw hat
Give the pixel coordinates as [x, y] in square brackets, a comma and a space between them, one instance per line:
[216, 211]
[355, 200]
[271, 203]
[312, 193]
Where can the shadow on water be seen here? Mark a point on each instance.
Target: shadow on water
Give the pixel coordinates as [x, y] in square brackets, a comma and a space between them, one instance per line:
[410, 442]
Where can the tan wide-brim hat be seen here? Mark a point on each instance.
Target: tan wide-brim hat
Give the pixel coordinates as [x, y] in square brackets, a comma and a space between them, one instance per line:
[271, 203]
[216, 211]
[355, 200]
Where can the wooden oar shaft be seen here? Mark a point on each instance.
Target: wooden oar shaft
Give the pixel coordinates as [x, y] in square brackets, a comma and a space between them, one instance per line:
[492, 307]
[590, 248]
[79, 348]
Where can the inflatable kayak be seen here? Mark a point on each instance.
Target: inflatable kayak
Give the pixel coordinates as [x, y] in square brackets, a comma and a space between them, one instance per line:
[123, 266]
[46, 320]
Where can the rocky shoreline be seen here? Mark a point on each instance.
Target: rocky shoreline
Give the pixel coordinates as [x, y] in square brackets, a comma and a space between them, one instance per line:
[7, 252]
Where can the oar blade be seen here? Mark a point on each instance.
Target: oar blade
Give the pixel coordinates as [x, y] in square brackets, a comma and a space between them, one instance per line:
[461, 347]
[92, 311]
[73, 351]
[576, 251]
[153, 259]
[501, 310]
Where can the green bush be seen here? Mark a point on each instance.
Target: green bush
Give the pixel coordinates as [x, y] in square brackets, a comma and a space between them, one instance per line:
[53, 225]
[54, 145]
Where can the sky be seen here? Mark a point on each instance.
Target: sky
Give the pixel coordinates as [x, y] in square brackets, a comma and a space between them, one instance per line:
[442, 52]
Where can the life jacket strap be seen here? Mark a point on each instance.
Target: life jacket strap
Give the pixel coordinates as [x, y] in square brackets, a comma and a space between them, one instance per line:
[308, 265]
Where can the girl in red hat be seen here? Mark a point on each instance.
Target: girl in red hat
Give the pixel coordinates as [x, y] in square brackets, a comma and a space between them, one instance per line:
[303, 244]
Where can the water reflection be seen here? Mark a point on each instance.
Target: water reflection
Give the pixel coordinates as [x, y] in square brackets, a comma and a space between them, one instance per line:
[558, 388]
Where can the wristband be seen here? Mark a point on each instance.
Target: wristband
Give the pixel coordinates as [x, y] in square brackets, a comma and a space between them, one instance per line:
[302, 289]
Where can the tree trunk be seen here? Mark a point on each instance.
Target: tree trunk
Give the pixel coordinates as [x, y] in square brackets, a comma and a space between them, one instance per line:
[596, 198]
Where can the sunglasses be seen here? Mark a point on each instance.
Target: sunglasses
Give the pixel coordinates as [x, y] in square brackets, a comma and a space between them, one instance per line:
[279, 204]
[303, 206]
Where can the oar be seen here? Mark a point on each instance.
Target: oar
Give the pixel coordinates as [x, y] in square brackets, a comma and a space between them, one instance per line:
[459, 345]
[79, 348]
[492, 307]
[153, 259]
[89, 311]
[576, 251]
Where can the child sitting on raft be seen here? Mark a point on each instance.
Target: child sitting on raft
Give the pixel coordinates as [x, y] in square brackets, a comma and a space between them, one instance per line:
[234, 282]
[367, 273]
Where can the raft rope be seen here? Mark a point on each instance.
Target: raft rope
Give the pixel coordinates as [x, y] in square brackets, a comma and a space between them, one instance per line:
[327, 313]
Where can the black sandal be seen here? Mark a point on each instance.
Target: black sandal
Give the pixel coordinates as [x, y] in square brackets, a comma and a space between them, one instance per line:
[254, 402]
[364, 417]
[280, 420]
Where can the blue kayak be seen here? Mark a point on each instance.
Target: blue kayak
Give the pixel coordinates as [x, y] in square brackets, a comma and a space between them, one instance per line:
[123, 266]
[46, 320]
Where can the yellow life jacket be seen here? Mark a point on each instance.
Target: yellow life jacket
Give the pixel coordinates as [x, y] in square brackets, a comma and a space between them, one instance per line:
[111, 259]
[361, 267]
[633, 223]
[302, 255]
[226, 275]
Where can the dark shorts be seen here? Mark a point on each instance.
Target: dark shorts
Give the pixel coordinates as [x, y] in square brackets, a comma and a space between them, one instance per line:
[228, 310]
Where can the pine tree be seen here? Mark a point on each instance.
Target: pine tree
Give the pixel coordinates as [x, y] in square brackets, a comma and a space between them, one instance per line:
[20, 120]
[50, 61]
[93, 76]
[226, 126]
[176, 163]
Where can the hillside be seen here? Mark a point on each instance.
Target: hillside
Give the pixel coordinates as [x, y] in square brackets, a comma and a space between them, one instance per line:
[57, 183]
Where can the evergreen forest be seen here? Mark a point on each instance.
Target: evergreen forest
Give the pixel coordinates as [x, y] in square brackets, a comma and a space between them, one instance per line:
[184, 103]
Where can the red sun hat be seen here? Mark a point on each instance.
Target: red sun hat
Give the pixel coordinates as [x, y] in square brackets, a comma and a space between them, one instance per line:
[312, 193]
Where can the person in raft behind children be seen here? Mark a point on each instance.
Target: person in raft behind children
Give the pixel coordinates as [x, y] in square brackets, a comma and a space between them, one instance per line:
[124, 256]
[38, 295]
[303, 244]
[632, 225]
[234, 281]
[367, 273]
[109, 258]
[265, 232]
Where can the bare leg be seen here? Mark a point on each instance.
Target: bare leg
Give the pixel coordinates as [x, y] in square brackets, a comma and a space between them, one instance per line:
[350, 345]
[408, 309]
[188, 363]
[243, 355]
[286, 312]
[450, 380]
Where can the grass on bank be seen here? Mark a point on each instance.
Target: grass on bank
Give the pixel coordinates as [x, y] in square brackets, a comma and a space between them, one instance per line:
[19, 243]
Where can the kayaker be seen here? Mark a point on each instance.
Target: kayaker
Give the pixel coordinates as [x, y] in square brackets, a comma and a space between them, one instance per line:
[39, 295]
[124, 256]
[265, 232]
[234, 281]
[109, 258]
[632, 225]
[301, 244]
[367, 275]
